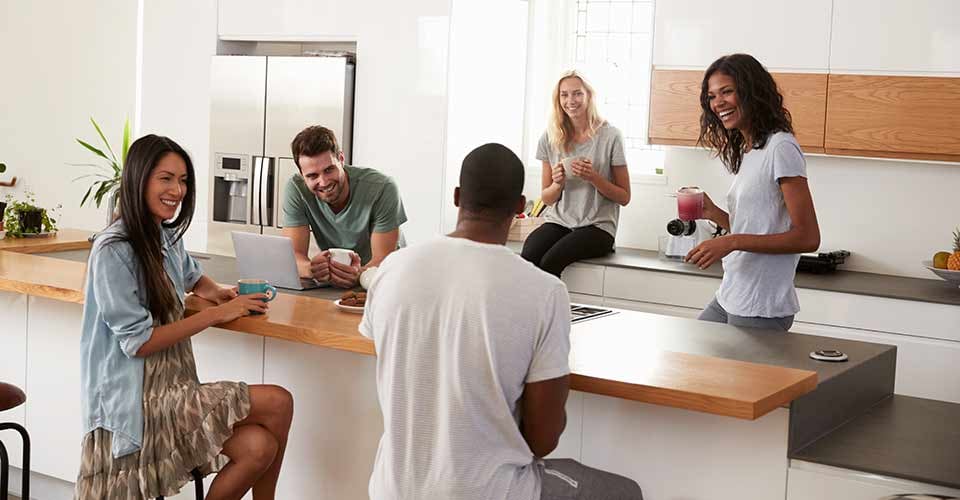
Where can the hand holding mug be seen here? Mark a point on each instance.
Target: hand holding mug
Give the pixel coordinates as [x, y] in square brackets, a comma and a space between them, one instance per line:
[226, 294]
[242, 305]
[558, 175]
[344, 273]
[582, 167]
[320, 266]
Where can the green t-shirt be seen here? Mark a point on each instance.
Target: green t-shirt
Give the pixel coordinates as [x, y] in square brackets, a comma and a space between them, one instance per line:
[374, 206]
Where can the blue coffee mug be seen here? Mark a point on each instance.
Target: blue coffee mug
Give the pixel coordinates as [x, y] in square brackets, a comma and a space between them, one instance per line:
[246, 287]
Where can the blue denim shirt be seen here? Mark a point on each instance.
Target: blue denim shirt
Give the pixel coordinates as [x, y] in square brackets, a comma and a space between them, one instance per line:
[116, 322]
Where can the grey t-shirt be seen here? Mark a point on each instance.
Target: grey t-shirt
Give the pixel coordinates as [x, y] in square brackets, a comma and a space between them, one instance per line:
[761, 284]
[580, 203]
[374, 207]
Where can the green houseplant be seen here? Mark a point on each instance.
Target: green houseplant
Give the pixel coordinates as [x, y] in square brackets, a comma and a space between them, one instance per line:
[108, 178]
[25, 217]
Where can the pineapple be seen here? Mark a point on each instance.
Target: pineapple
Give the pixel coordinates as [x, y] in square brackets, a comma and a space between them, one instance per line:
[953, 262]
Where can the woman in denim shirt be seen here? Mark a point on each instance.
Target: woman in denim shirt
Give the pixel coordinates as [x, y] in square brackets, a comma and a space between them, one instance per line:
[147, 420]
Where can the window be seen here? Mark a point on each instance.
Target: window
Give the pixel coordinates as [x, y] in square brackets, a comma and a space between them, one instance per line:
[611, 42]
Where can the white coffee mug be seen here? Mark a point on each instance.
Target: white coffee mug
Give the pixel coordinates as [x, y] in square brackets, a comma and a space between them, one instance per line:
[341, 255]
[567, 166]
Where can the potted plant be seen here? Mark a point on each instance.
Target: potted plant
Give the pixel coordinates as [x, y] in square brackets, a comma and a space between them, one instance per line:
[109, 176]
[26, 218]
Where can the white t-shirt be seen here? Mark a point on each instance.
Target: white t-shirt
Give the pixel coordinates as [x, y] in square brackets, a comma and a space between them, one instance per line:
[459, 328]
[761, 284]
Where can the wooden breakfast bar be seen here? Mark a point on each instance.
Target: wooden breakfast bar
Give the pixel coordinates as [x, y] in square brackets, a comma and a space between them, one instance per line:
[653, 395]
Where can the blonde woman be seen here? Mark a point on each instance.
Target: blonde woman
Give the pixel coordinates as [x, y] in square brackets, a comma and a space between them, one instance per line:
[584, 180]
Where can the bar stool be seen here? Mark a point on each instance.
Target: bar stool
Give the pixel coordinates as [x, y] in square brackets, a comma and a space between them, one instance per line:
[197, 481]
[11, 397]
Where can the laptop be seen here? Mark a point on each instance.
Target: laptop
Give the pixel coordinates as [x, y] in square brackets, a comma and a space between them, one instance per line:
[270, 258]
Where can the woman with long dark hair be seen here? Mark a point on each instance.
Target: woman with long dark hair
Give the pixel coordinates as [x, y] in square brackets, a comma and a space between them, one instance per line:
[148, 422]
[770, 214]
[585, 180]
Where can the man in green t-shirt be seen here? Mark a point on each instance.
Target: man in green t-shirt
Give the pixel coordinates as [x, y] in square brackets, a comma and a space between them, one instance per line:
[343, 206]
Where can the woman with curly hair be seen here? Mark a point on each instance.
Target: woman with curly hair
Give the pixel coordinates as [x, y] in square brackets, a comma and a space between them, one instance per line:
[770, 215]
[148, 421]
[584, 181]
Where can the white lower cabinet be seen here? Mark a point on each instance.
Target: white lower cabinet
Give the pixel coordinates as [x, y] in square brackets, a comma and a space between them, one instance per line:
[13, 366]
[676, 454]
[53, 387]
[649, 307]
[809, 481]
[584, 279]
[587, 300]
[659, 287]
[336, 419]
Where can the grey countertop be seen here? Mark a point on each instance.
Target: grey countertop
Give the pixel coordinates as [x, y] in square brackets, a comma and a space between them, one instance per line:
[754, 345]
[876, 285]
[906, 437]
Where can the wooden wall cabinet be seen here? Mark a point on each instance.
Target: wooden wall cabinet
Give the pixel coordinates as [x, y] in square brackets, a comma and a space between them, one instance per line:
[894, 116]
[675, 106]
[851, 115]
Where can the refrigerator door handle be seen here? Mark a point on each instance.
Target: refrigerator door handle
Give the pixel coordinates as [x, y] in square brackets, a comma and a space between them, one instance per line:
[255, 210]
[267, 175]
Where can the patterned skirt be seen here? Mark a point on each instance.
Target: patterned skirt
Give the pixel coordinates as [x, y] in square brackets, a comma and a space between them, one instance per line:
[185, 424]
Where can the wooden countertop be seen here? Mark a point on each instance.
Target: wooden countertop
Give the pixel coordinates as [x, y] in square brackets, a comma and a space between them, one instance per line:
[607, 355]
[44, 276]
[65, 239]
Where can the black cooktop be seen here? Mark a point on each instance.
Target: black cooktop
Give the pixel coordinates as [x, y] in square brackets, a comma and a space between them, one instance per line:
[581, 313]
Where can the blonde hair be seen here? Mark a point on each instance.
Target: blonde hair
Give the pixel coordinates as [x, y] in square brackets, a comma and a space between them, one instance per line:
[559, 127]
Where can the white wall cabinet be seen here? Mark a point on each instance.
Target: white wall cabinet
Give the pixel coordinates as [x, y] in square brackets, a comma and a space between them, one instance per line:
[782, 34]
[808, 481]
[891, 36]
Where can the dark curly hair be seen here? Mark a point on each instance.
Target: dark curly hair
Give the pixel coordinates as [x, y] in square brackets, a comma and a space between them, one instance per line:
[761, 105]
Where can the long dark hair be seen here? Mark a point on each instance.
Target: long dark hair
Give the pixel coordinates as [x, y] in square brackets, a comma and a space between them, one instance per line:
[761, 105]
[141, 229]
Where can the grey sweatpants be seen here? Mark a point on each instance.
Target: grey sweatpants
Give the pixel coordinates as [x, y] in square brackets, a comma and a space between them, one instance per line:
[715, 312]
[565, 479]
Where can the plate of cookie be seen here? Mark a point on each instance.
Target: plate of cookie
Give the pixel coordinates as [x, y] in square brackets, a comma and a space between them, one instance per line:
[352, 302]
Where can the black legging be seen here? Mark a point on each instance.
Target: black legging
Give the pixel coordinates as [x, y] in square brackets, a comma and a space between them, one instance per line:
[552, 247]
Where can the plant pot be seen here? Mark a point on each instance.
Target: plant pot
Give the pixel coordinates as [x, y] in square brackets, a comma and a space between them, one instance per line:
[31, 222]
[3, 210]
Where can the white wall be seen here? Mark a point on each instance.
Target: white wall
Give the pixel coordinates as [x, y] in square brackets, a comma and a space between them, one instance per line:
[889, 214]
[179, 38]
[485, 85]
[60, 63]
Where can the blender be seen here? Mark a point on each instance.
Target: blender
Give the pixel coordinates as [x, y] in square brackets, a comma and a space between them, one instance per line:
[685, 232]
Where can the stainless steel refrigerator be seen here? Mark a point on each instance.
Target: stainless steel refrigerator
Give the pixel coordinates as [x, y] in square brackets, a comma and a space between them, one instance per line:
[258, 105]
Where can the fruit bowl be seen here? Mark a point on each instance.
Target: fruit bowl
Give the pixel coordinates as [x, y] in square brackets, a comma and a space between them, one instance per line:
[950, 276]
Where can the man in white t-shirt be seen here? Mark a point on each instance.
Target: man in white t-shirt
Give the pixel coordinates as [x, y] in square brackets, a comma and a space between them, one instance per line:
[472, 359]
